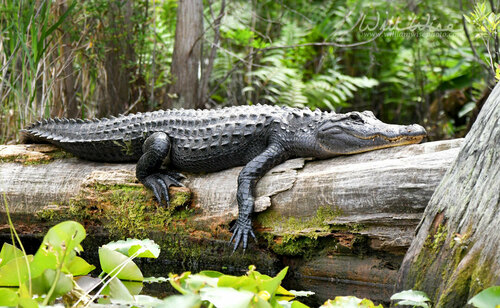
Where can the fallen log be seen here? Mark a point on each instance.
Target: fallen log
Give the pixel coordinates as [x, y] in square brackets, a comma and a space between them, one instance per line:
[363, 208]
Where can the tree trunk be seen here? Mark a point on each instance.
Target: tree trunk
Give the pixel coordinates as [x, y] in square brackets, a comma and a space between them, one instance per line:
[115, 76]
[456, 252]
[64, 98]
[186, 60]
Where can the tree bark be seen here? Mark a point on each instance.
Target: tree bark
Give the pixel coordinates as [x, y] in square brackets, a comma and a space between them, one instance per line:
[456, 252]
[184, 92]
[65, 102]
[115, 76]
[207, 70]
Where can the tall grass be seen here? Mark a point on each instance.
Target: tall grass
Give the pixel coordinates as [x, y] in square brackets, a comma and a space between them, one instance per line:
[28, 55]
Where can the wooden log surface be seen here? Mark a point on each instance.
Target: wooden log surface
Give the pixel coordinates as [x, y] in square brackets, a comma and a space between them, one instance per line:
[376, 196]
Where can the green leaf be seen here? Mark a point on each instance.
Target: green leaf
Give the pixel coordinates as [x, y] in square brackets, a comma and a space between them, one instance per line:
[261, 302]
[178, 281]
[196, 281]
[27, 303]
[271, 285]
[59, 246]
[8, 297]
[466, 109]
[212, 274]
[134, 287]
[297, 304]
[143, 248]
[223, 297]
[349, 302]
[114, 289]
[238, 283]
[47, 33]
[118, 290]
[147, 301]
[284, 295]
[412, 297]
[79, 267]
[486, 298]
[43, 283]
[25, 298]
[111, 261]
[8, 253]
[412, 303]
[15, 272]
[181, 301]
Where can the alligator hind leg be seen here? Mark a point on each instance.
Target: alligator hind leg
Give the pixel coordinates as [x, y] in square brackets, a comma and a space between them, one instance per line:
[155, 150]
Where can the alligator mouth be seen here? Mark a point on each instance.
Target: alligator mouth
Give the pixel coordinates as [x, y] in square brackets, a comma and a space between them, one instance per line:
[401, 138]
[383, 142]
[395, 135]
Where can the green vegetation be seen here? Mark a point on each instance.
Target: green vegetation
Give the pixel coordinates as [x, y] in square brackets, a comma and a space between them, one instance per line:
[51, 275]
[430, 63]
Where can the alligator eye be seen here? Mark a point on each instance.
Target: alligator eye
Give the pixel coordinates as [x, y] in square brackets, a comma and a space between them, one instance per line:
[356, 117]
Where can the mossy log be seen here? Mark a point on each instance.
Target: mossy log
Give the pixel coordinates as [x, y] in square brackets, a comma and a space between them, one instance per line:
[316, 216]
[456, 252]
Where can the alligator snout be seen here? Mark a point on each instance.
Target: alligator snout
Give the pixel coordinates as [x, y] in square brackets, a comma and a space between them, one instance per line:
[413, 130]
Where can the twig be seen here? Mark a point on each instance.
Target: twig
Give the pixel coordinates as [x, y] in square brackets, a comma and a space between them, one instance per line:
[467, 35]
[213, 53]
[153, 56]
[496, 33]
[135, 103]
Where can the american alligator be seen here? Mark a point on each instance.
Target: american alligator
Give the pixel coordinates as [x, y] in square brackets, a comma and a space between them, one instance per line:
[257, 137]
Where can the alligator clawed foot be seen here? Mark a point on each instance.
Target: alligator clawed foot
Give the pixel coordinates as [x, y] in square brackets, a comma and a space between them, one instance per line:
[159, 184]
[241, 230]
[175, 175]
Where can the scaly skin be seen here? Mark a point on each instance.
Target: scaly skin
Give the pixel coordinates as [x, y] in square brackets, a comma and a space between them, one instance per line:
[258, 137]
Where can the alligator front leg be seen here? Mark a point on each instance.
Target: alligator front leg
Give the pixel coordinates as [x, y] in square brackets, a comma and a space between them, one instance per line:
[155, 150]
[251, 173]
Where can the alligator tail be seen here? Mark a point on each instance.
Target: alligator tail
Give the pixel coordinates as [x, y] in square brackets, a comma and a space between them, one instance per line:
[88, 139]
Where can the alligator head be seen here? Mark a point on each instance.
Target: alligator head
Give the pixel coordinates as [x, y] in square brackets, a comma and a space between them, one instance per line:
[357, 132]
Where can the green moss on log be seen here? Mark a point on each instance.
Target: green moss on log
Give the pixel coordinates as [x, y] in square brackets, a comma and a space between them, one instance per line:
[303, 236]
[128, 210]
[38, 159]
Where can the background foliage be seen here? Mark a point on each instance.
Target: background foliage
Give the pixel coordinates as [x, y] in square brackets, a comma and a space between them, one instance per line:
[408, 61]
